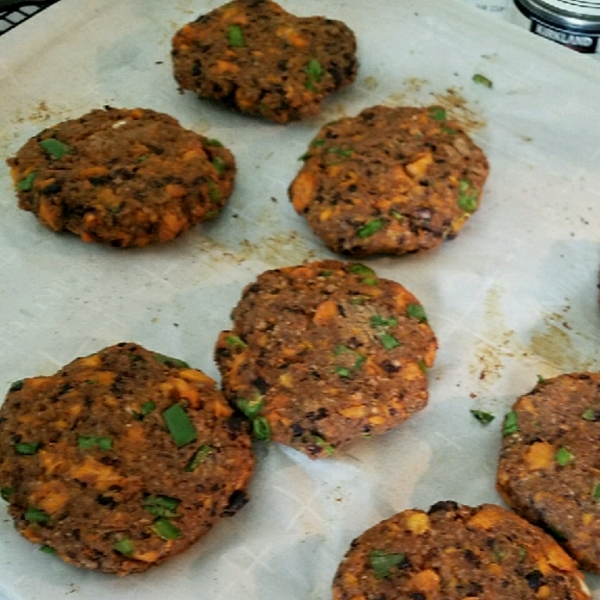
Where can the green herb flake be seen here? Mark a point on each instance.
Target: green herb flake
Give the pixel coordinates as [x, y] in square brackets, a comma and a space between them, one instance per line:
[498, 555]
[35, 515]
[55, 148]
[416, 311]
[437, 113]
[340, 349]
[381, 562]
[388, 341]
[342, 371]
[26, 184]
[467, 196]
[235, 341]
[482, 80]
[329, 449]
[589, 414]
[169, 361]
[511, 423]
[317, 142]
[251, 408]
[563, 457]
[261, 429]
[396, 214]
[314, 72]
[357, 300]
[198, 457]
[142, 158]
[379, 321]
[88, 442]
[346, 153]
[325, 273]
[219, 164]
[27, 449]
[596, 492]
[47, 549]
[448, 130]
[423, 365]
[213, 142]
[15, 386]
[482, 416]
[541, 379]
[360, 360]
[124, 547]
[147, 408]
[165, 529]
[180, 426]
[214, 193]
[360, 269]
[370, 228]
[161, 506]
[6, 493]
[236, 36]
[522, 554]
[370, 281]
[304, 157]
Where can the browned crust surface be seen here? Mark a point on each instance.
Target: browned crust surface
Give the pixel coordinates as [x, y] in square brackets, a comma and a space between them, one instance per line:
[90, 469]
[549, 469]
[389, 181]
[261, 60]
[326, 352]
[457, 552]
[126, 178]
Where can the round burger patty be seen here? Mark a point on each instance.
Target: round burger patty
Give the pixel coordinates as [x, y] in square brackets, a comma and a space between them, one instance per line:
[121, 459]
[326, 352]
[549, 469]
[455, 552]
[259, 59]
[390, 180]
[123, 177]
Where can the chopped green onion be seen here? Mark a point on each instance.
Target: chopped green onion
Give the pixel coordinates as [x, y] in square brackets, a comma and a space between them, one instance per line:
[15, 386]
[147, 408]
[589, 414]
[27, 449]
[235, 341]
[89, 442]
[26, 183]
[55, 148]
[370, 228]
[329, 449]
[214, 193]
[423, 365]
[198, 457]
[180, 426]
[6, 493]
[165, 530]
[236, 36]
[213, 142]
[360, 269]
[161, 506]
[169, 361]
[342, 371]
[317, 142]
[416, 311]
[47, 549]
[379, 321]
[467, 196]
[261, 428]
[219, 164]
[483, 80]
[35, 515]
[251, 408]
[360, 359]
[388, 341]
[511, 423]
[482, 417]
[563, 457]
[124, 547]
[437, 113]
[596, 492]
[382, 562]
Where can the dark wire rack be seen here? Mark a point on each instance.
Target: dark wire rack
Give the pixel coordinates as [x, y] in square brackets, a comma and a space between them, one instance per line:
[18, 13]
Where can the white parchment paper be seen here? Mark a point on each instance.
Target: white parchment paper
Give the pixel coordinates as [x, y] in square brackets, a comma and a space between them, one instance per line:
[513, 297]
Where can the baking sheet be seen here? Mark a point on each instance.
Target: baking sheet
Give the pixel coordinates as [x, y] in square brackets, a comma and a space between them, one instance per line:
[513, 297]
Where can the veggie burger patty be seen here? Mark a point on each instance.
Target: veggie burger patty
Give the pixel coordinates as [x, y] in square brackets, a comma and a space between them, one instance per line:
[390, 180]
[549, 469]
[121, 459]
[457, 553]
[122, 177]
[259, 59]
[326, 352]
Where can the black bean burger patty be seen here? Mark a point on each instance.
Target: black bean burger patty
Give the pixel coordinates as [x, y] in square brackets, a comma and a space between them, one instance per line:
[455, 552]
[122, 177]
[121, 459]
[389, 181]
[549, 469]
[254, 56]
[326, 352]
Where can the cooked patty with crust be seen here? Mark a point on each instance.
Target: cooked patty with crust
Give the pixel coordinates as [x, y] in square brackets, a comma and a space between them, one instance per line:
[326, 352]
[121, 459]
[122, 177]
[254, 56]
[389, 181]
[549, 469]
[455, 552]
